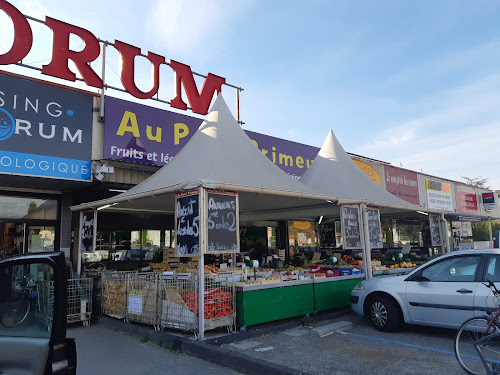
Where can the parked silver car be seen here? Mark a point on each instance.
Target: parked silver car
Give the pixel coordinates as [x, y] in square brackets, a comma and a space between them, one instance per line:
[443, 292]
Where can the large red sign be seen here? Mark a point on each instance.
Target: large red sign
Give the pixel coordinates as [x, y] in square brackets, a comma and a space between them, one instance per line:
[403, 184]
[466, 197]
[62, 54]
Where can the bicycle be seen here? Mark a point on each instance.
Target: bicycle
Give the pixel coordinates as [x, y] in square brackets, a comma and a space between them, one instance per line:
[20, 310]
[477, 343]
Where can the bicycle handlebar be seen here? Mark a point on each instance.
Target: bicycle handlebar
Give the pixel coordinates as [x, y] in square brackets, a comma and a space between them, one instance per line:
[490, 284]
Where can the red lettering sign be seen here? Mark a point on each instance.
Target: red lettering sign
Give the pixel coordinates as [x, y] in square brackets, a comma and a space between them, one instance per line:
[23, 36]
[62, 54]
[199, 102]
[128, 54]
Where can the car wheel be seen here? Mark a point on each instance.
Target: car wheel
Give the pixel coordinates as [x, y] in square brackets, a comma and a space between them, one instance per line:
[384, 313]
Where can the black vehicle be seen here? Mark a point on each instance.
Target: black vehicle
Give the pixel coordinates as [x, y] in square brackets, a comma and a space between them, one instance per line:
[33, 316]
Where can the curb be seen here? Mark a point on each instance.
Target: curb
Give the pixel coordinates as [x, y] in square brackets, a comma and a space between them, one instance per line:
[212, 351]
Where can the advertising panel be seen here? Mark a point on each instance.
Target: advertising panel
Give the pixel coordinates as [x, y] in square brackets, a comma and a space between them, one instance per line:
[403, 184]
[140, 134]
[434, 230]
[44, 130]
[489, 200]
[369, 171]
[439, 195]
[466, 197]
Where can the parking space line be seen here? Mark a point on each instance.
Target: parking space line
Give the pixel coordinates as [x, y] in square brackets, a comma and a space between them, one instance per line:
[400, 343]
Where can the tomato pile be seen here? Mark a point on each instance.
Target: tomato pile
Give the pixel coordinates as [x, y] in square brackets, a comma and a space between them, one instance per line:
[218, 303]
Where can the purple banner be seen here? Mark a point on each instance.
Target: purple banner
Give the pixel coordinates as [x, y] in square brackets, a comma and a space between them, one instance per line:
[292, 157]
[140, 134]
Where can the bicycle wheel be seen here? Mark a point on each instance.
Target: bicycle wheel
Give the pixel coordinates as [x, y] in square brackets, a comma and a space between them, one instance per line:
[467, 355]
[17, 314]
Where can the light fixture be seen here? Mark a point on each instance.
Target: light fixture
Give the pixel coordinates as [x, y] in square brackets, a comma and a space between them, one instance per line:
[423, 213]
[320, 219]
[105, 206]
[117, 190]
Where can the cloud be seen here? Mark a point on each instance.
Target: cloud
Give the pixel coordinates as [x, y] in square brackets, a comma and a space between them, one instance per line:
[187, 27]
[455, 135]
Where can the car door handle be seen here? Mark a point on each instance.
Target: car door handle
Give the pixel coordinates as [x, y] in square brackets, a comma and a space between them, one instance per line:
[464, 291]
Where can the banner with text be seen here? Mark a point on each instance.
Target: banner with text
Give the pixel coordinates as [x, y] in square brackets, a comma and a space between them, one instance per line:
[403, 184]
[466, 197]
[439, 195]
[44, 130]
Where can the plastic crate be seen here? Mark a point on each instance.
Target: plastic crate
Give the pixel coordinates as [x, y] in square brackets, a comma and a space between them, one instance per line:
[345, 271]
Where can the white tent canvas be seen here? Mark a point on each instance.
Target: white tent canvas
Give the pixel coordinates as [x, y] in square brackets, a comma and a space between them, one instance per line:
[333, 172]
[220, 156]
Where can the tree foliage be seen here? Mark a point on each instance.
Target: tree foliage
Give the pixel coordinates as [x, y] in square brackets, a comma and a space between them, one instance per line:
[481, 232]
[477, 182]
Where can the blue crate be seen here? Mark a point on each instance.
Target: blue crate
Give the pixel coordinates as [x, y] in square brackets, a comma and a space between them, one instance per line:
[357, 271]
[345, 271]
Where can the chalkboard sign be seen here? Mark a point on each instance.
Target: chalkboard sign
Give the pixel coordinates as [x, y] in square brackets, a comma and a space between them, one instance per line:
[434, 229]
[88, 232]
[327, 235]
[374, 228]
[350, 227]
[187, 219]
[222, 222]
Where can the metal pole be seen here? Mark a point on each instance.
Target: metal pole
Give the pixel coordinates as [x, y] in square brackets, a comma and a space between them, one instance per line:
[79, 253]
[366, 242]
[103, 77]
[491, 232]
[94, 233]
[203, 244]
[238, 105]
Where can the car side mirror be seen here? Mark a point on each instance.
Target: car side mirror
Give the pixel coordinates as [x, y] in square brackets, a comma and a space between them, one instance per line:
[417, 276]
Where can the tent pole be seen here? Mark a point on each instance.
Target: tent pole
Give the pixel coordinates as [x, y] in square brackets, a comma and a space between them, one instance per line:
[366, 243]
[201, 264]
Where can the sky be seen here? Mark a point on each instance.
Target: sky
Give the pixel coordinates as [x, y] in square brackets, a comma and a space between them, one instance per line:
[413, 83]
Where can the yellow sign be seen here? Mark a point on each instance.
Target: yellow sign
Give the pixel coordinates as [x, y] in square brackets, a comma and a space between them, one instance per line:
[369, 171]
[302, 224]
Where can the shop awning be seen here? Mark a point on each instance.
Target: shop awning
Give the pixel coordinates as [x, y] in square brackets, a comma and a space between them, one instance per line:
[219, 156]
[469, 218]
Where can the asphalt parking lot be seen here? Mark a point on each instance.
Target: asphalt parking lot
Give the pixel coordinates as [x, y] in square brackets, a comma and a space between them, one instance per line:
[357, 350]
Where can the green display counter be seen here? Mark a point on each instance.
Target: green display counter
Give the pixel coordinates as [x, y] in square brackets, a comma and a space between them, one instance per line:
[257, 304]
[265, 303]
[334, 292]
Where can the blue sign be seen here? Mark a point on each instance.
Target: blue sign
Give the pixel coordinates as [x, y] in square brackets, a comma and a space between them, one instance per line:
[44, 130]
[48, 166]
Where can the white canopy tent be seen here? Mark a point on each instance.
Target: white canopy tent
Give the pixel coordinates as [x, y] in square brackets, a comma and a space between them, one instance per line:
[218, 156]
[333, 172]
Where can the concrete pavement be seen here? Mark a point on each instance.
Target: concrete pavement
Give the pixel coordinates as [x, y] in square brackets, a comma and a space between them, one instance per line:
[312, 346]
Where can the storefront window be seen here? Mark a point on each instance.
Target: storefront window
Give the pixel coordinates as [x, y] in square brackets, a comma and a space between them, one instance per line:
[27, 208]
